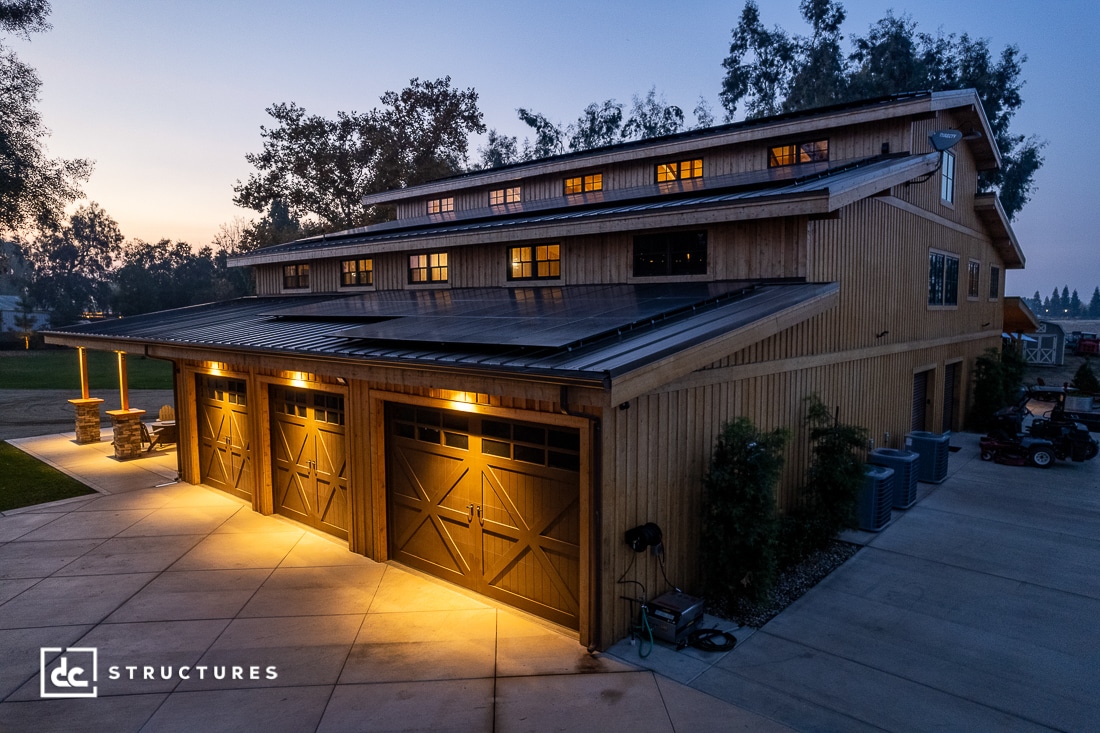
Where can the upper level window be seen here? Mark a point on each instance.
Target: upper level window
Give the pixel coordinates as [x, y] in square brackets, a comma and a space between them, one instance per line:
[680, 170]
[510, 195]
[670, 253]
[947, 176]
[994, 282]
[357, 272]
[441, 206]
[943, 279]
[296, 277]
[813, 151]
[583, 184]
[538, 262]
[428, 268]
[973, 272]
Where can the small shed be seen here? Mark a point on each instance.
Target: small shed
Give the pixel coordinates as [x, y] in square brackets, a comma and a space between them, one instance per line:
[1049, 346]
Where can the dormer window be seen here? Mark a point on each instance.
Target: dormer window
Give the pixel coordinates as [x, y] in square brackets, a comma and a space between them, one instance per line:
[584, 184]
[296, 276]
[428, 268]
[538, 262]
[814, 151]
[680, 170]
[501, 196]
[441, 205]
[357, 272]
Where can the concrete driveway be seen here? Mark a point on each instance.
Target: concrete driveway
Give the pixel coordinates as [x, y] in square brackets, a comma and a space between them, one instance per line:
[974, 610]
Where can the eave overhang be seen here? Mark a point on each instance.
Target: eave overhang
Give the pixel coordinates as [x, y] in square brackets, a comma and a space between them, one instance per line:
[1018, 317]
[988, 208]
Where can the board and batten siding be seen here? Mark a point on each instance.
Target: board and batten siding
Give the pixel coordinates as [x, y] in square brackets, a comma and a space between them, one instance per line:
[658, 450]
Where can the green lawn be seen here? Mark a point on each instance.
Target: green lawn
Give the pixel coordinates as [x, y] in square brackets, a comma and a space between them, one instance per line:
[59, 369]
[25, 481]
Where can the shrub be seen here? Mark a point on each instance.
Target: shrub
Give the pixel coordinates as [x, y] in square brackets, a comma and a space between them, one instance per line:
[1085, 379]
[739, 523]
[831, 495]
[998, 376]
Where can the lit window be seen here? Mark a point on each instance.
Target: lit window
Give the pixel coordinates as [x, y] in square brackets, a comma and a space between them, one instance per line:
[679, 170]
[582, 184]
[296, 277]
[500, 196]
[947, 176]
[943, 279]
[814, 151]
[535, 262]
[973, 272]
[428, 268]
[357, 272]
[441, 206]
[670, 253]
[994, 282]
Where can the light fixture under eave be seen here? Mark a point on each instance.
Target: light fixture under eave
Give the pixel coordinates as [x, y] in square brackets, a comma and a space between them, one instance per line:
[942, 140]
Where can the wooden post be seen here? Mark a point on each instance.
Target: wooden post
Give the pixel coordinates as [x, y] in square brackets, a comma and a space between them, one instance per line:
[82, 356]
[123, 382]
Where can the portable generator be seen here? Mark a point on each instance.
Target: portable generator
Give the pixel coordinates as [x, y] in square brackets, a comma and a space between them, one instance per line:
[674, 615]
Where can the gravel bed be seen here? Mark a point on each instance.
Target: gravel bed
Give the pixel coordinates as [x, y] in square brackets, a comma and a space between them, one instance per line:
[792, 583]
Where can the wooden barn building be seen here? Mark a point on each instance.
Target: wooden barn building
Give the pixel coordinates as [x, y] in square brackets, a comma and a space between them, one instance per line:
[530, 360]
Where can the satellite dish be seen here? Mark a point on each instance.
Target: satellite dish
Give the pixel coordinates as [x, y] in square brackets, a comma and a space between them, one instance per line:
[942, 140]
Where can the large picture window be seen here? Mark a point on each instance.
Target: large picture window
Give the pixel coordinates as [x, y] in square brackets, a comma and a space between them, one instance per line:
[670, 254]
[296, 276]
[357, 272]
[943, 279]
[428, 268]
[535, 262]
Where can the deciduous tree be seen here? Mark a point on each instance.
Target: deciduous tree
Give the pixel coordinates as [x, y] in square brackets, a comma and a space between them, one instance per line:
[320, 169]
[34, 188]
[770, 71]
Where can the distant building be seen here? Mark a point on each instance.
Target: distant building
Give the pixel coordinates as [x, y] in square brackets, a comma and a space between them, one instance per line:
[1048, 347]
[15, 321]
[531, 360]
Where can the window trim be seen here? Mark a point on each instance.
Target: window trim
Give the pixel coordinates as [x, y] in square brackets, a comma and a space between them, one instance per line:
[944, 304]
[344, 273]
[430, 270]
[534, 262]
[300, 278]
[797, 149]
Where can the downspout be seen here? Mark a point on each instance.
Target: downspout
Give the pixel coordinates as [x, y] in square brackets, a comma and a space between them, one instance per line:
[597, 481]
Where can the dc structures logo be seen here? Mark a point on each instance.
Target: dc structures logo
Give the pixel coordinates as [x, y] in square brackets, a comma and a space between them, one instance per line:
[73, 674]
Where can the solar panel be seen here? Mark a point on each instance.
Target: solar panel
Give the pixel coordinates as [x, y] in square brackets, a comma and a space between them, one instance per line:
[552, 316]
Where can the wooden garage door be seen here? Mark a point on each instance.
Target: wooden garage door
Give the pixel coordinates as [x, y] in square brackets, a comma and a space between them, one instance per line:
[225, 455]
[309, 461]
[490, 504]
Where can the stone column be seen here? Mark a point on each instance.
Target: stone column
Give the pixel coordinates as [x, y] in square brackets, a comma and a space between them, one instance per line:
[87, 419]
[127, 427]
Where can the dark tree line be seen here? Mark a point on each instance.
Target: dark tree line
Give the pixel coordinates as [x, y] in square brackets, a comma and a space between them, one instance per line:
[1065, 304]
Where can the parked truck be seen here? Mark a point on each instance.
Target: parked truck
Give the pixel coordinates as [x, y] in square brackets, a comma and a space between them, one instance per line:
[1063, 405]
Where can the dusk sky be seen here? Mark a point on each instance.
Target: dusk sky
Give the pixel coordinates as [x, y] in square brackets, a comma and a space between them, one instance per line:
[167, 97]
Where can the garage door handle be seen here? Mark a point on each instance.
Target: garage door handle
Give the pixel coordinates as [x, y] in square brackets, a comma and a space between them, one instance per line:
[471, 508]
[480, 519]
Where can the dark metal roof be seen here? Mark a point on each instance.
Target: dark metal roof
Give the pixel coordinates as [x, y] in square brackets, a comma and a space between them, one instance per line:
[553, 316]
[675, 317]
[819, 183]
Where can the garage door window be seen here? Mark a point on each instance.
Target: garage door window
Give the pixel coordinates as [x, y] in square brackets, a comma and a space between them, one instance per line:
[432, 426]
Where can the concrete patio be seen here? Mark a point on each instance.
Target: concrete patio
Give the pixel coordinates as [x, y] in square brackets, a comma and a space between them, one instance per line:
[974, 610]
